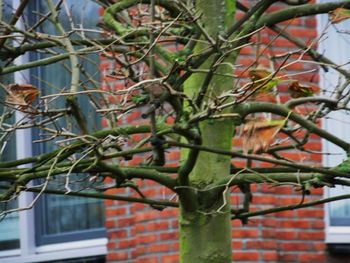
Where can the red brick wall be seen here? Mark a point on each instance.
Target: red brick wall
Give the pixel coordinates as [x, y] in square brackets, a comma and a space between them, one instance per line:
[138, 233]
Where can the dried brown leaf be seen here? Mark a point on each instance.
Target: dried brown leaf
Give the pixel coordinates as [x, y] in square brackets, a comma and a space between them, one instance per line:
[258, 135]
[297, 90]
[21, 95]
[338, 15]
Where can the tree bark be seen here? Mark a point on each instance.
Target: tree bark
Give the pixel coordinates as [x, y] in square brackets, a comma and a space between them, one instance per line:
[205, 231]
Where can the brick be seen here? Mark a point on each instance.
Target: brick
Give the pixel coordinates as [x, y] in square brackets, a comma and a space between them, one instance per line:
[137, 207]
[288, 257]
[294, 66]
[261, 244]
[119, 256]
[126, 243]
[247, 51]
[123, 222]
[111, 245]
[245, 233]
[170, 213]
[174, 224]
[264, 199]
[284, 190]
[267, 221]
[116, 234]
[170, 258]
[147, 260]
[150, 192]
[246, 256]
[147, 215]
[154, 226]
[314, 235]
[318, 224]
[268, 233]
[296, 223]
[314, 146]
[173, 155]
[169, 236]
[286, 235]
[317, 191]
[310, 22]
[283, 42]
[139, 250]
[312, 257]
[270, 256]
[311, 213]
[236, 223]
[139, 228]
[319, 246]
[163, 247]
[286, 214]
[237, 244]
[146, 239]
[289, 200]
[135, 115]
[295, 246]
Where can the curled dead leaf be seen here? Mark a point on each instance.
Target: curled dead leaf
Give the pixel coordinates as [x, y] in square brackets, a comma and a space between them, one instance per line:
[338, 15]
[297, 90]
[258, 135]
[21, 95]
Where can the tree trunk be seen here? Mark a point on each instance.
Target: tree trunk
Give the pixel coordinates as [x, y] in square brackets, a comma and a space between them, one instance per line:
[205, 233]
[205, 238]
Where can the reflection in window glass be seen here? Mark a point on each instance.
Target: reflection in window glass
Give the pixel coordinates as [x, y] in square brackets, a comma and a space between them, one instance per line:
[64, 218]
[9, 237]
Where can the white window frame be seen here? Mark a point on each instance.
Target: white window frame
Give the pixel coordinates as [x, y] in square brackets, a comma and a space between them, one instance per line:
[330, 47]
[28, 251]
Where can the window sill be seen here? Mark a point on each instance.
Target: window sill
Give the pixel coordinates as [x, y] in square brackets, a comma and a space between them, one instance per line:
[337, 235]
[66, 250]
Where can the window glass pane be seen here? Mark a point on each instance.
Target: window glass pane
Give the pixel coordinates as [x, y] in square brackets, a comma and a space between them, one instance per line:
[9, 237]
[71, 214]
[64, 218]
[99, 259]
[339, 210]
[335, 46]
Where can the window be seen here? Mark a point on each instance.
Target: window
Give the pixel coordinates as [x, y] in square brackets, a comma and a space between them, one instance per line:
[59, 218]
[59, 227]
[9, 238]
[337, 213]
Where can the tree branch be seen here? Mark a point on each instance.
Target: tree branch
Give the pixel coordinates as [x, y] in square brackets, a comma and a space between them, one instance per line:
[299, 11]
[290, 207]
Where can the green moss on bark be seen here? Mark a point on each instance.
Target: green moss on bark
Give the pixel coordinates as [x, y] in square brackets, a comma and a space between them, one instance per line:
[205, 234]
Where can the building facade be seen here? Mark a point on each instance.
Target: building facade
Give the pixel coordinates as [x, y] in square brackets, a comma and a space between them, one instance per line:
[118, 231]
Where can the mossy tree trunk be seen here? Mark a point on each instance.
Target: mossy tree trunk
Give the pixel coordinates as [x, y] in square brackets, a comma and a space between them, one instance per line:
[205, 228]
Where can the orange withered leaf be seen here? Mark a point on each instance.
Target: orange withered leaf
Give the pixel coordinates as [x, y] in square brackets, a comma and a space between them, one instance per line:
[258, 135]
[21, 95]
[296, 90]
[338, 15]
